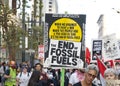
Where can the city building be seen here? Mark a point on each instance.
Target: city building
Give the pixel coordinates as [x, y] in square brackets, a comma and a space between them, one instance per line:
[35, 17]
[108, 24]
[109, 29]
[49, 6]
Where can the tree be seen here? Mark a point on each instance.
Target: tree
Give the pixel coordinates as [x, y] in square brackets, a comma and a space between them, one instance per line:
[37, 27]
[11, 30]
[37, 37]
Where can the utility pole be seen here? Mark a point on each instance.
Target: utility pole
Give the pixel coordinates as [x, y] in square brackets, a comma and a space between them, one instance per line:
[34, 14]
[40, 22]
[40, 12]
[14, 6]
[23, 27]
[83, 45]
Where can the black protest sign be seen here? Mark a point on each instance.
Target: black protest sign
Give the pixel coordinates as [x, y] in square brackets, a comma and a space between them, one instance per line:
[63, 37]
[96, 49]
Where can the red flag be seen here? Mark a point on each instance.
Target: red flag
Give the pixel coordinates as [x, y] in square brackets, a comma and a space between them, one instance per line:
[87, 54]
[101, 66]
[102, 69]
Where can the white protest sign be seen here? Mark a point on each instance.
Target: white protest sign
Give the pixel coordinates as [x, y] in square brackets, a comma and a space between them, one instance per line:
[65, 54]
[110, 48]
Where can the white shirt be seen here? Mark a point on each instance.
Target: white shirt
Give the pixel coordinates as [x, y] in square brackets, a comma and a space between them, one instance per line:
[73, 78]
[1, 70]
[23, 78]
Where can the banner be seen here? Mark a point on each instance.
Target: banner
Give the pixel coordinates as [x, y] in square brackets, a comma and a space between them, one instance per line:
[63, 35]
[40, 52]
[96, 49]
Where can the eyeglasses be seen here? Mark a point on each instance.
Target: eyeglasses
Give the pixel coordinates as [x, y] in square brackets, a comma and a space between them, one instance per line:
[91, 75]
[24, 66]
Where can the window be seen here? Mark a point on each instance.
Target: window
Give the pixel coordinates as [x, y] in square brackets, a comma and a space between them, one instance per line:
[50, 9]
[50, 6]
[50, 2]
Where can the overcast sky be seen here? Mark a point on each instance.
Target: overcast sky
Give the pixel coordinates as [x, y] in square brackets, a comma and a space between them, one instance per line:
[92, 9]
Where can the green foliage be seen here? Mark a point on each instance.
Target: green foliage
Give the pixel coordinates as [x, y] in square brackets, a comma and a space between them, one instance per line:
[11, 31]
[37, 37]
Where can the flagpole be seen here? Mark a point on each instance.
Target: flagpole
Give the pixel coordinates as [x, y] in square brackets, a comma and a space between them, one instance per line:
[62, 77]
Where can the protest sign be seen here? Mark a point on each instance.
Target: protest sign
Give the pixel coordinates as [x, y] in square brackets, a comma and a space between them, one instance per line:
[40, 52]
[96, 49]
[63, 35]
[110, 48]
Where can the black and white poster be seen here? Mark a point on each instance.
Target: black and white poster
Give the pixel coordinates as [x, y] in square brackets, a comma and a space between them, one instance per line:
[96, 49]
[110, 48]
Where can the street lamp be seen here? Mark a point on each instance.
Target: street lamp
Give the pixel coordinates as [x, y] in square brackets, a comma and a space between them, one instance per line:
[23, 27]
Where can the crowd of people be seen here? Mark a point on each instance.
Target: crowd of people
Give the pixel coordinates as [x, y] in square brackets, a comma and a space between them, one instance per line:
[23, 74]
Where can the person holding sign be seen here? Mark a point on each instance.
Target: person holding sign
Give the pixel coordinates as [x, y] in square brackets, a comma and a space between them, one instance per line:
[90, 73]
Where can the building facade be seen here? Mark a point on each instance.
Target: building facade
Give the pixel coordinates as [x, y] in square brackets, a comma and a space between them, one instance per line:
[109, 24]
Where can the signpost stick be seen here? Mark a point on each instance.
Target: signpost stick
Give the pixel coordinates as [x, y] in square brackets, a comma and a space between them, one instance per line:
[62, 77]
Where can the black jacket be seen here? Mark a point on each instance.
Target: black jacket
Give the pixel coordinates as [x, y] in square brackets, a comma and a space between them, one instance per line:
[79, 84]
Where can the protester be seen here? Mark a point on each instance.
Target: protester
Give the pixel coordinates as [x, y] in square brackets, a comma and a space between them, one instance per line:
[50, 72]
[38, 67]
[67, 76]
[110, 74]
[44, 80]
[56, 77]
[90, 74]
[10, 75]
[108, 64]
[23, 76]
[2, 70]
[35, 79]
[2, 67]
[77, 76]
[117, 67]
